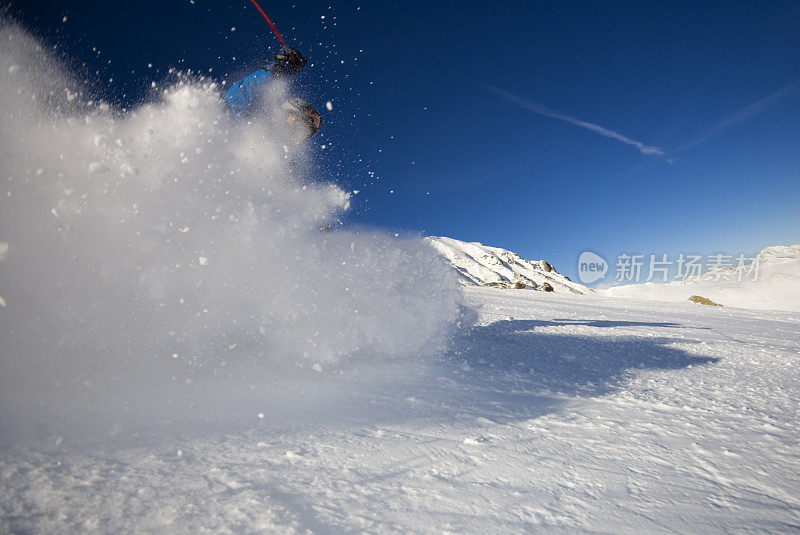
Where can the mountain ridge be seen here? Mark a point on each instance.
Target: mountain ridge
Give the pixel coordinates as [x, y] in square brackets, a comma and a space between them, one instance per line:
[482, 265]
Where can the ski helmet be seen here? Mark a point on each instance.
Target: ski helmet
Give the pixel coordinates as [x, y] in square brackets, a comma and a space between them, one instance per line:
[299, 111]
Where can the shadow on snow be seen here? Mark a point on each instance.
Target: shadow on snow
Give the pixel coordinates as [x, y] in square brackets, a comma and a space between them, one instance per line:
[506, 371]
[517, 369]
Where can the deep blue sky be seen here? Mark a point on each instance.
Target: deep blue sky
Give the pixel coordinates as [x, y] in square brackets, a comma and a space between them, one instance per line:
[714, 85]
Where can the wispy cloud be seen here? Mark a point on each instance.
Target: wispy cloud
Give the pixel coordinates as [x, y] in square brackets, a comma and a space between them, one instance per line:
[742, 114]
[553, 114]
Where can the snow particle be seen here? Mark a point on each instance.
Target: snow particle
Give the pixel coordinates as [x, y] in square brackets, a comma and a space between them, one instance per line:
[203, 261]
[329, 105]
[260, 415]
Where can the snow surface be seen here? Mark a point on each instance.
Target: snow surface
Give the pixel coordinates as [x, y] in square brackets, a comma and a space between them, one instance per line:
[481, 265]
[553, 413]
[772, 284]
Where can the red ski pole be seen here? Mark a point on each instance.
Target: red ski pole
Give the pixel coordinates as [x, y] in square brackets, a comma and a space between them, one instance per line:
[269, 21]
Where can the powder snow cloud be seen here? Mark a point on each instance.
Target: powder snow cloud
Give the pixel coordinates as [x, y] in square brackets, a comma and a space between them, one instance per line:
[149, 248]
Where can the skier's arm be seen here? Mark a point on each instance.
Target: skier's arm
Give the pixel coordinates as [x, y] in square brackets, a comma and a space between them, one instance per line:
[244, 96]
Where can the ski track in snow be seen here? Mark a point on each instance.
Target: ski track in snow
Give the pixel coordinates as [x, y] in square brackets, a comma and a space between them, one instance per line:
[557, 414]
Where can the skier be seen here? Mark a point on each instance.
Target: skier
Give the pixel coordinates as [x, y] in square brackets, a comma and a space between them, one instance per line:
[245, 97]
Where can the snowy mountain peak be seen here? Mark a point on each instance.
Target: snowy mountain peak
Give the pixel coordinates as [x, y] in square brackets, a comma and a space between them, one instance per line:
[482, 265]
[780, 253]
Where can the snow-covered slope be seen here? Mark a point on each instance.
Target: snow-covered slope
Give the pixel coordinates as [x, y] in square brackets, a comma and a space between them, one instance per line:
[481, 265]
[556, 413]
[776, 286]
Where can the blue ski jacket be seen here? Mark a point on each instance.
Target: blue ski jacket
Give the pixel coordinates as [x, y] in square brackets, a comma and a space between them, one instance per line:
[244, 96]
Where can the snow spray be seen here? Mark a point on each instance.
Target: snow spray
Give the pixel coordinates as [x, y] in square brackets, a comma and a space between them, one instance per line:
[146, 249]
